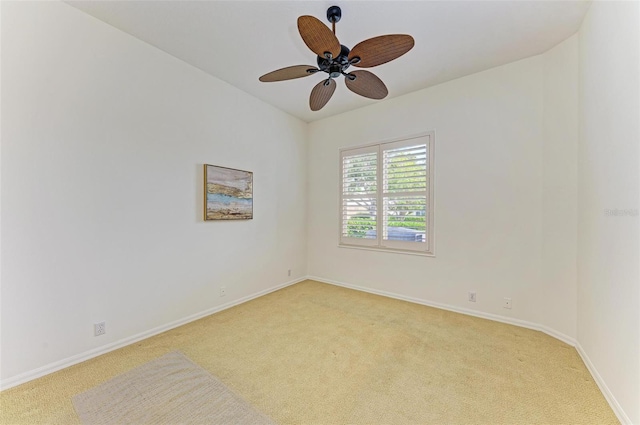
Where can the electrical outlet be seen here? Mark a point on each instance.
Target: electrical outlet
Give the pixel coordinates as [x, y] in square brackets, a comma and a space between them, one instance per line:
[223, 291]
[99, 328]
[472, 296]
[507, 303]
[289, 272]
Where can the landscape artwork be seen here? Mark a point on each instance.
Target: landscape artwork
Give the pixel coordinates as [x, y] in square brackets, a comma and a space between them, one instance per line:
[228, 193]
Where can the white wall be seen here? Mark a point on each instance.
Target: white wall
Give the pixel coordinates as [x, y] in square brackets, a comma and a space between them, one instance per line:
[608, 249]
[558, 273]
[99, 129]
[500, 142]
[103, 141]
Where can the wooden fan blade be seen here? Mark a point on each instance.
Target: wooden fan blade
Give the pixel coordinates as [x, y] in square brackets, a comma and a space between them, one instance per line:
[288, 73]
[318, 37]
[378, 50]
[321, 94]
[367, 84]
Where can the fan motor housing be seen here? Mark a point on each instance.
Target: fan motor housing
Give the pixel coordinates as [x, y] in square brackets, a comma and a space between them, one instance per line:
[335, 66]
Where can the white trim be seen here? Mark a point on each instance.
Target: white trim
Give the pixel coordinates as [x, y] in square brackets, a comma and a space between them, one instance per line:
[604, 389]
[70, 361]
[497, 318]
[432, 194]
[390, 140]
[378, 249]
[379, 244]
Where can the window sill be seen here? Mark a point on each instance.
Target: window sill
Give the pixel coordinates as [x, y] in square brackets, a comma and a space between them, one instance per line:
[391, 250]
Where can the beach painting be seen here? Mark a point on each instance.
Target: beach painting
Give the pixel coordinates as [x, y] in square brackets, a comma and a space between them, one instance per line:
[228, 193]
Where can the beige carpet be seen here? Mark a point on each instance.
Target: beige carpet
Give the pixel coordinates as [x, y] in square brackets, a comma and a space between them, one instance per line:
[318, 354]
[167, 390]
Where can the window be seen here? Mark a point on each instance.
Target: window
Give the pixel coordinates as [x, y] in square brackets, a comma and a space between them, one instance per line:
[386, 195]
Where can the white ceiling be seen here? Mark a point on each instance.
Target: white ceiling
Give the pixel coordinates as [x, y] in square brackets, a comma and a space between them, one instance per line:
[238, 41]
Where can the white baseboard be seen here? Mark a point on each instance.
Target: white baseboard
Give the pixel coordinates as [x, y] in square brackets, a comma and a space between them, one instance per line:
[70, 361]
[511, 321]
[615, 406]
[608, 395]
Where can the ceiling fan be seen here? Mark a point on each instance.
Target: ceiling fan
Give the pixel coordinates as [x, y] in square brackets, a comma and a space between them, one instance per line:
[334, 59]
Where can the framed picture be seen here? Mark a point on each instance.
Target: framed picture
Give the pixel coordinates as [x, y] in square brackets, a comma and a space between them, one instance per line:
[228, 193]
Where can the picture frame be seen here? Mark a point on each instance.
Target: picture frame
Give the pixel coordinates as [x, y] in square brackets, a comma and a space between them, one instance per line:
[228, 193]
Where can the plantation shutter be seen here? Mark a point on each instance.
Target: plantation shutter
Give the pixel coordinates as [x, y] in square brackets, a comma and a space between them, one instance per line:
[405, 194]
[386, 195]
[359, 180]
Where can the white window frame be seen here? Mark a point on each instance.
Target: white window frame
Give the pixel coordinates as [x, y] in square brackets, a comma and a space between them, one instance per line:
[379, 244]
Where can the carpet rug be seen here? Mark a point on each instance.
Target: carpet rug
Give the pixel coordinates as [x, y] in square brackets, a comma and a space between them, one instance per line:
[168, 390]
